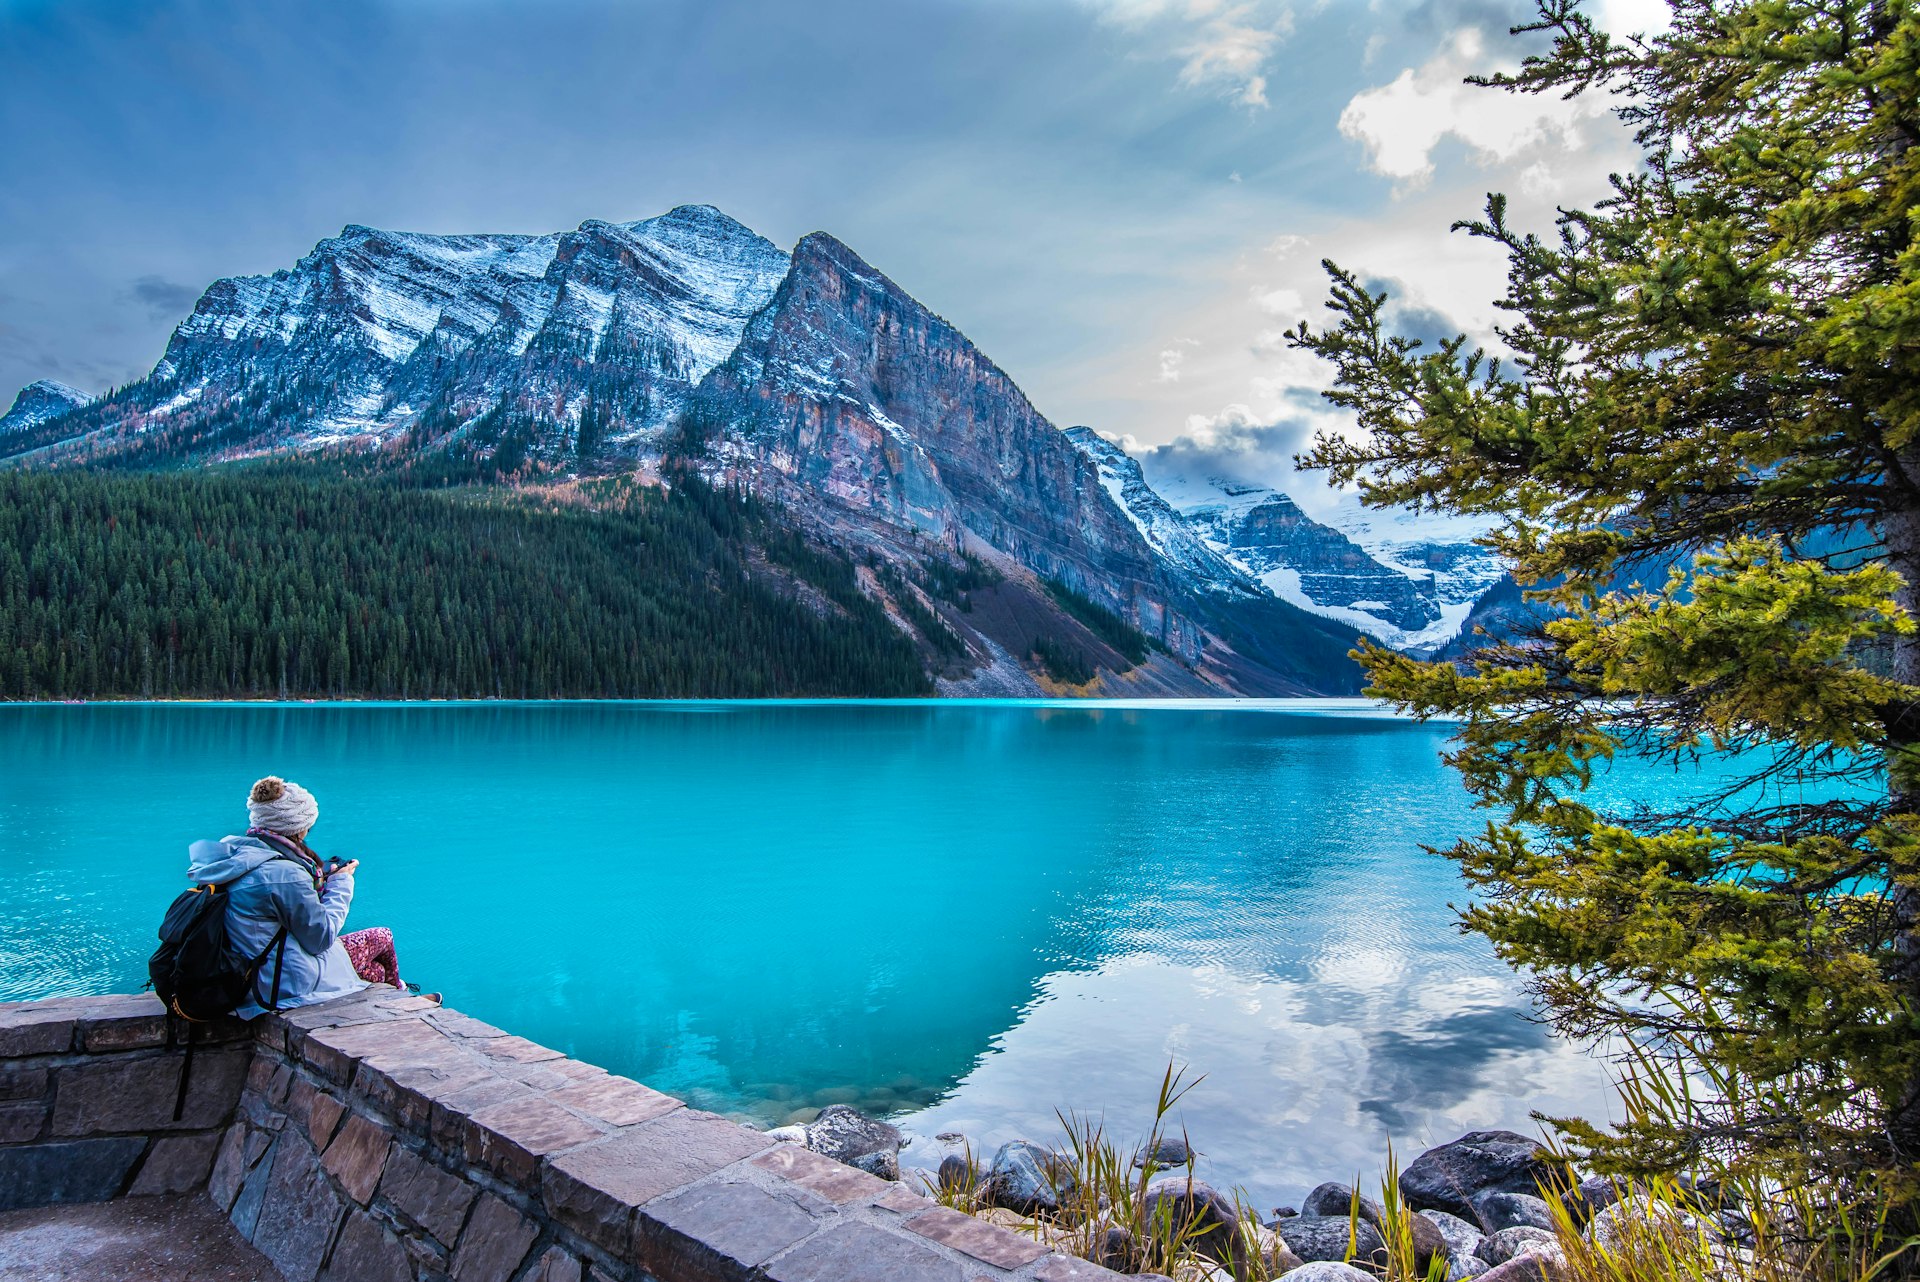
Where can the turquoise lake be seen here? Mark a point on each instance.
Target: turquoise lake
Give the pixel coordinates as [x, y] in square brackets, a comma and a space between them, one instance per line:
[961, 915]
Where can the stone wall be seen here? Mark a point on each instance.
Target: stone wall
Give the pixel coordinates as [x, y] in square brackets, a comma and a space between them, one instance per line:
[382, 1138]
[87, 1092]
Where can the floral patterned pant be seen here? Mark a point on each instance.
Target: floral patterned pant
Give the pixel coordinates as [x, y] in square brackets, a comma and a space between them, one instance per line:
[374, 960]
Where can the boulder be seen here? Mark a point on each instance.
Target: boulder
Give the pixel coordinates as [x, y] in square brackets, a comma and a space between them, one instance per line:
[1275, 1257]
[1210, 1220]
[1507, 1210]
[1449, 1177]
[1428, 1240]
[1638, 1219]
[788, 1135]
[1169, 1150]
[1328, 1271]
[1529, 1268]
[1519, 1240]
[957, 1174]
[1028, 1178]
[1462, 1238]
[1589, 1196]
[850, 1136]
[1116, 1248]
[1327, 1237]
[1337, 1199]
[1460, 1268]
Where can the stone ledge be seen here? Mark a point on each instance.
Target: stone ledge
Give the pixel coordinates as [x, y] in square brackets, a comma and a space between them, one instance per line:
[382, 1138]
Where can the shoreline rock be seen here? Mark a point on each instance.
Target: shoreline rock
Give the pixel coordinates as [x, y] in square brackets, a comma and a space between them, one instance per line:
[1474, 1205]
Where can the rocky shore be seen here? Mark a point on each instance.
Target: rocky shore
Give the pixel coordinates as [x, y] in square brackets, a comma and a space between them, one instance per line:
[1476, 1205]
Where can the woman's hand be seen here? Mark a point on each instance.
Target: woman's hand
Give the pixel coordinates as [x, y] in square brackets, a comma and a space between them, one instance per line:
[346, 868]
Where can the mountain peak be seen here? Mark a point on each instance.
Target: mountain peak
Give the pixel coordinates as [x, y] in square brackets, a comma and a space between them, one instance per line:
[42, 401]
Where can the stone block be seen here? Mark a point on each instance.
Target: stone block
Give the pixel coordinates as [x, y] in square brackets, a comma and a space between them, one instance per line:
[863, 1253]
[594, 1189]
[407, 1092]
[35, 1028]
[253, 1186]
[367, 1252]
[117, 1095]
[333, 1052]
[357, 1156]
[18, 1083]
[126, 1022]
[494, 1244]
[300, 1212]
[466, 1027]
[988, 1243]
[717, 1232]
[510, 1139]
[835, 1181]
[22, 1120]
[618, 1101]
[76, 1171]
[455, 1101]
[555, 1265]
[323, 1115]
[260, 1075]
[409, 1005]
[176, 1164]
[426, 1195]
[229, 1167]
[898, 1197]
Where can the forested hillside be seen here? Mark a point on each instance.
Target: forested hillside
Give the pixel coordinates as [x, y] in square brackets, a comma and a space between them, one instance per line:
[303, 582]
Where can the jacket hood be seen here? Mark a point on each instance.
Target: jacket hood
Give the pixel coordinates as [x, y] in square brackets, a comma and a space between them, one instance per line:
[214, 862]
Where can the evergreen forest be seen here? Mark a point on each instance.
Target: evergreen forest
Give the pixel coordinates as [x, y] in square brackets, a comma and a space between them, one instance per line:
[304, 582]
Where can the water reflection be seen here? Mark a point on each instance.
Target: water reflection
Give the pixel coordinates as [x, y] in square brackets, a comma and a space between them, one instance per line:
[963, 915]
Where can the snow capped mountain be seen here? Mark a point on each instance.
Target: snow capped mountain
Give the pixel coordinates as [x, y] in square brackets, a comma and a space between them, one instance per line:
[42, 402]
[1405, 578]
[374, 331]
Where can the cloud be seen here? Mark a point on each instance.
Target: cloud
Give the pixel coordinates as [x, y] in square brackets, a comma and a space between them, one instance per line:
[1222, 46]
[163, 297]
[1403, 122]
[1172, 358]
[1235, 445]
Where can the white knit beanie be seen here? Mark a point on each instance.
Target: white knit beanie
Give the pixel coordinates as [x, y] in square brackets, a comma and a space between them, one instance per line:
[282, 807]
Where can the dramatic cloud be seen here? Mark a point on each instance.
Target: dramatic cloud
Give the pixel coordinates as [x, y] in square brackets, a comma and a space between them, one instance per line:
[1402, 123]
[1232, 445]
[163, 297]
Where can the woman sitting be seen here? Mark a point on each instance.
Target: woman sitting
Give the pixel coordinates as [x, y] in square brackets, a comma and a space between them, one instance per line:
[286, 905]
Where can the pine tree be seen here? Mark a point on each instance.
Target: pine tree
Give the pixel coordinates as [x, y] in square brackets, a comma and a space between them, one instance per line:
[1713, 386]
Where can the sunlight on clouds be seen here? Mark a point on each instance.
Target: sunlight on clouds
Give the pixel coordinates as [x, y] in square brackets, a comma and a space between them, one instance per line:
[1402, 122]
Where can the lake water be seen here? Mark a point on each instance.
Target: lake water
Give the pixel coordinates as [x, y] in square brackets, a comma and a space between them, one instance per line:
[962, 915]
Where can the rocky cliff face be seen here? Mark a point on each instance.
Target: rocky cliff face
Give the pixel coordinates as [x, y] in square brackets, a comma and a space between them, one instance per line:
[848, 394]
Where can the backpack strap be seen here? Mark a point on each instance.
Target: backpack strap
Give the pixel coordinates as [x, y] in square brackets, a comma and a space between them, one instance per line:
[186, 1068]
[280, 943]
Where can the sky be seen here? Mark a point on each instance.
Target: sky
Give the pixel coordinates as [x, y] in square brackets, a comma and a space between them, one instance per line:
[1124, 203]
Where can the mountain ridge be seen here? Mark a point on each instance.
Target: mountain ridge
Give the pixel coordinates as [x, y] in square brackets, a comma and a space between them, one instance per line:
[689, 341]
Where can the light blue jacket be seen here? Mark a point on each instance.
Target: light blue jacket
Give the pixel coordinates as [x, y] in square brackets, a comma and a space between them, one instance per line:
[264, 894]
